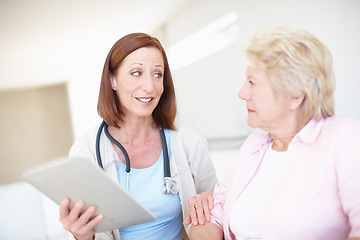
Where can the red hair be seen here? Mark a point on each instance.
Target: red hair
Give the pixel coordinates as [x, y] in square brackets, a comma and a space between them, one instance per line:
[109, 106]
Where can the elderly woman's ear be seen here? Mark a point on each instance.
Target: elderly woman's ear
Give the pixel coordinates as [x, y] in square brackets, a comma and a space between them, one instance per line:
[296, 102]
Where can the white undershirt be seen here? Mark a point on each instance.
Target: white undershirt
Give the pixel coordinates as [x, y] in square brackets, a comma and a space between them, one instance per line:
[247, 213]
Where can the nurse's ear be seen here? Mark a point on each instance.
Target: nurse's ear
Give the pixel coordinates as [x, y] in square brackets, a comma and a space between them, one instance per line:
[112, 82]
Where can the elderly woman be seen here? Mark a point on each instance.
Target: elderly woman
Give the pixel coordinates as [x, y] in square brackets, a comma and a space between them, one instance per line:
[298, 177]
[137, 103]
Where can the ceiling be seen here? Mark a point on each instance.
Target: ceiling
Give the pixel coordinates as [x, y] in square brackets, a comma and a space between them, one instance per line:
[41, 38]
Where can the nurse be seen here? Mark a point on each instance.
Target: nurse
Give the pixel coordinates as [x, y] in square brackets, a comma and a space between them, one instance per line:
[136, 100]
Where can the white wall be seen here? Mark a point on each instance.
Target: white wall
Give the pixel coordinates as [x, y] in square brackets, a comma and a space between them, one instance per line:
[207, 90]
[43, 42]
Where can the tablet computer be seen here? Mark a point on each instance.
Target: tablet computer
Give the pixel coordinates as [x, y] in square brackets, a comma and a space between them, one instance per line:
[81, 179]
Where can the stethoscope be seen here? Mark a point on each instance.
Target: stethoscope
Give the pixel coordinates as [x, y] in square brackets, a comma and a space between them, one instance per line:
[170, 186]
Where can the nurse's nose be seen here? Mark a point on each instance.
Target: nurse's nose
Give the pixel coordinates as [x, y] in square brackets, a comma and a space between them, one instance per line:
[148, 83]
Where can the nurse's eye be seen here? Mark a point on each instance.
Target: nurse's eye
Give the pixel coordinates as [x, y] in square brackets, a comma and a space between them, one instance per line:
[158, 75]
[136, 73]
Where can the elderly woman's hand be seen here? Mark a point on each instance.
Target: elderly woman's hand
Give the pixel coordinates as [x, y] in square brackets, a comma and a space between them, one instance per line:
[199, 208]
[79, 223]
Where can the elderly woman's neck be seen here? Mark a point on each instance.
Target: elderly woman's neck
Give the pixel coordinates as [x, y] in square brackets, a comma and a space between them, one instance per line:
[280, 144]
[283, 137]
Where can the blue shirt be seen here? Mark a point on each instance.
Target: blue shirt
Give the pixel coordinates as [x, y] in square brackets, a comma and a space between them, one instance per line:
[146, 186]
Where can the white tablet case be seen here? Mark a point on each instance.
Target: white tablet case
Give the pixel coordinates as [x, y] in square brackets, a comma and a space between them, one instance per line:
[81, 179]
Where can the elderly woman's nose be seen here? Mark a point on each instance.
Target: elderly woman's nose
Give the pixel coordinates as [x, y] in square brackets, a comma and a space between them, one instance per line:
[242, 94]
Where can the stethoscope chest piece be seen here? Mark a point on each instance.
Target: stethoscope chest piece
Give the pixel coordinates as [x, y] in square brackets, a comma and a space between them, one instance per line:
[170, 186]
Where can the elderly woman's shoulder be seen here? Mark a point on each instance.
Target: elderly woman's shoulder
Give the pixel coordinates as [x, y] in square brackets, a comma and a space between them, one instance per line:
[342, 125]
[341, 122]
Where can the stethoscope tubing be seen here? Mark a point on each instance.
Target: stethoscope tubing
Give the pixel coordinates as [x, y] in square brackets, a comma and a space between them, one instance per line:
[104, 126]
[97, 145]
[165, 154]
[127, 169]
[170, 186]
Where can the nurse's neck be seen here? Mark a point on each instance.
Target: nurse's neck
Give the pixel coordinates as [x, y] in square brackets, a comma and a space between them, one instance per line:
[135, 132]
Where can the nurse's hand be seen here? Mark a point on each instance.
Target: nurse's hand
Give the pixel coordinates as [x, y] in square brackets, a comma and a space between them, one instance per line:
[77, 222]
[199, 208]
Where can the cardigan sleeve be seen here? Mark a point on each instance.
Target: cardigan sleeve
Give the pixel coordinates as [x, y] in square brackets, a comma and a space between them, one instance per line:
[191, 165]
[199, 161]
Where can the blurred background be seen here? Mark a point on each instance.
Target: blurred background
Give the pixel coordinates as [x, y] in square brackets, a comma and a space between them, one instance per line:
[52, 54]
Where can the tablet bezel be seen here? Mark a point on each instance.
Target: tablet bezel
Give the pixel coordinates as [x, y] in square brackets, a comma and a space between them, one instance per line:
[81, 179]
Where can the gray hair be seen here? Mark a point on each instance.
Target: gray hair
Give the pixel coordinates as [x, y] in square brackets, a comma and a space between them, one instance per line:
[296, 63]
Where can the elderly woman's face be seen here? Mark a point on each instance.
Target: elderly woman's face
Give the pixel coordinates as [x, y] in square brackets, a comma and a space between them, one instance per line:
[266, 110]
[139, 82]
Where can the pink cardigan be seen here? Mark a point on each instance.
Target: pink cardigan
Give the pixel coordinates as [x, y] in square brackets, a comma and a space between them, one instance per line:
[317, 193]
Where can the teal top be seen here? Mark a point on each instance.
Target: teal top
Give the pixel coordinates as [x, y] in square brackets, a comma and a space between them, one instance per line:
[146, 186]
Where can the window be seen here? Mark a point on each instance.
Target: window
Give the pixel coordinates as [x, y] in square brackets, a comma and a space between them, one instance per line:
[210, 39]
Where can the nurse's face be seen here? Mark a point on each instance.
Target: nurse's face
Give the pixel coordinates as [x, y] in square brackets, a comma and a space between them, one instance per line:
[266, 110]
[139, 82]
